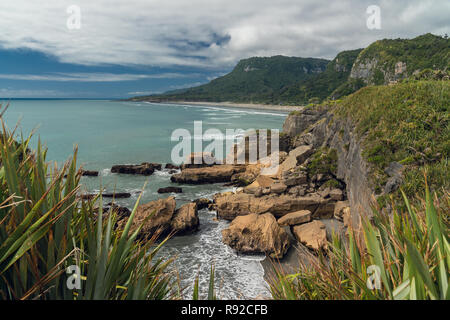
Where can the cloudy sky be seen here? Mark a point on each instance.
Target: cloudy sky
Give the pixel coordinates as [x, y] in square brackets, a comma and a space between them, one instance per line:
[134, 47]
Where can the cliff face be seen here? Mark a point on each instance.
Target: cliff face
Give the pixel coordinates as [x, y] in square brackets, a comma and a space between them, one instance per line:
[320, 128]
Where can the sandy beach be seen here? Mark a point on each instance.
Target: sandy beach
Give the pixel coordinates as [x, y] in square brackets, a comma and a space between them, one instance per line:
[240, 105]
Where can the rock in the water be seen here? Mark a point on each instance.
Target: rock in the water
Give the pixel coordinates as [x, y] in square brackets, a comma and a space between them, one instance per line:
[212, 174]
[170, 190]
[171, 166]
[117, 195]
[295, 218]
[89, 173]
[160, 211]
[202, 203]
[312, 234]
[144, 168]
[185, 219]
[257, 234]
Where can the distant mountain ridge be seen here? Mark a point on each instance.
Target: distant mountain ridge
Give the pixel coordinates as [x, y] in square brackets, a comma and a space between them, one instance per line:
[293, 81]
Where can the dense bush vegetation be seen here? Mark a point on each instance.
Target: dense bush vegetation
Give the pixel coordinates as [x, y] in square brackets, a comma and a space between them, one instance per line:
[408, 123]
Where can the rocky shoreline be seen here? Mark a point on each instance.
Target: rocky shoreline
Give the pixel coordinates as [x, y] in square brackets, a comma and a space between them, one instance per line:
[319, 189]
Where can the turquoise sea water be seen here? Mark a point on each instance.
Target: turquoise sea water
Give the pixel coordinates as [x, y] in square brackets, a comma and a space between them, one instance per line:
[115, 132]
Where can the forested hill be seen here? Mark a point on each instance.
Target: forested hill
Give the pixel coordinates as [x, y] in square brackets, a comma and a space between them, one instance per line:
[299, 81]
[252, 80]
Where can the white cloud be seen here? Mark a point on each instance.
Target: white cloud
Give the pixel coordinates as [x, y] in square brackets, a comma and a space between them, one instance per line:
[93, 77]
[192, 33]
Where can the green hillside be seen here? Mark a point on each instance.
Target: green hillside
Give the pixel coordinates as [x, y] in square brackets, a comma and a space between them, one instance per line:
[323, 84]
[259, 80]
[390, 60]
[300, 81]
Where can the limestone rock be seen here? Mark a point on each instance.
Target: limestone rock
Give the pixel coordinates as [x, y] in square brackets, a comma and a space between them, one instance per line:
[313, 235]
[256, 233]
[229, 206]
[160, 211]
[340, 209]
[295, 218]
[211, 174]
[185, 219]
[170, 190]
[144, 168]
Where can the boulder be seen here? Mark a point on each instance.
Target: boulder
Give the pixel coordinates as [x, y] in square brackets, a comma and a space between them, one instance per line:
[185, 219]
[170, 190]
[160, 211]
[89, 173]
[278, 188]
[336, 194]
[171, 166]
[211, 174]
[298, 155]
[260, 182]
[229, 206]
[313, 235]
[340, 208]
[202, 203]
[256, 233]
[325, 210]
[144, 168]
[295, 218]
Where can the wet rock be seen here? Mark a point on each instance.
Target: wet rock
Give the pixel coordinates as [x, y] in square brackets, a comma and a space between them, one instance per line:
[116, 195]
[170, 190]
[185, 219]
[212, 174]
[295, 218]
[202, 203]
[256, 233]
[171, 166]
[159, 214]
[144, 168]
[313, 235]
[89, 173]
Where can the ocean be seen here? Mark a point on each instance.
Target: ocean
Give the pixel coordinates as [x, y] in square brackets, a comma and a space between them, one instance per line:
[121, 132]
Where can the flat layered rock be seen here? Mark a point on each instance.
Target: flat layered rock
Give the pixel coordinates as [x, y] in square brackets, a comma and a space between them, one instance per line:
[212, 174]
[144, 168]
[170, 190]
[256, 233]
[185, 219]
[295, 218]
[230, 205]
[313, 235]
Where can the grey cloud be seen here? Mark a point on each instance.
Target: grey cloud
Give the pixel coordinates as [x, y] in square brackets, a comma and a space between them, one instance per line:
[210, 34]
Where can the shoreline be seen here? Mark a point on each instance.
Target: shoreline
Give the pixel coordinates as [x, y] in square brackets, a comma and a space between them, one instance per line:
[254, 106]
